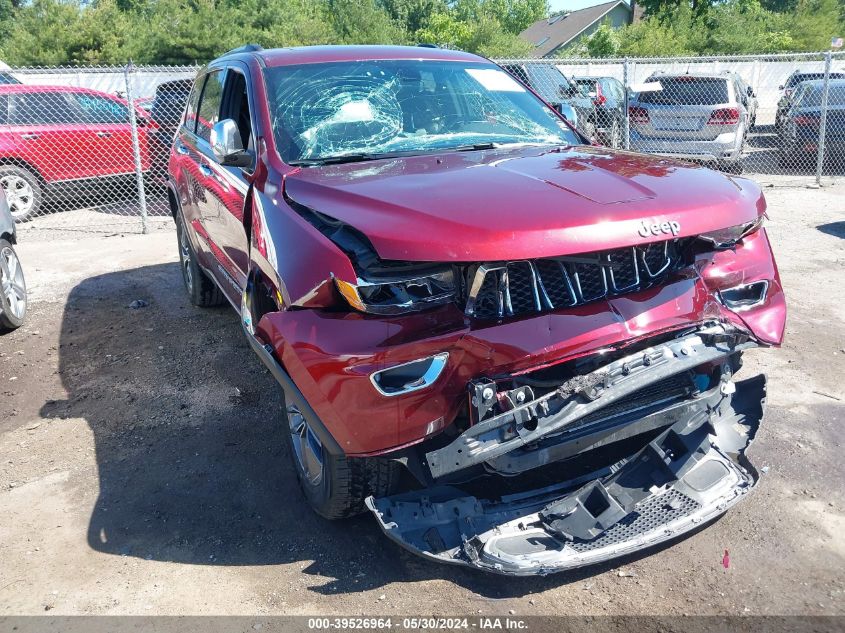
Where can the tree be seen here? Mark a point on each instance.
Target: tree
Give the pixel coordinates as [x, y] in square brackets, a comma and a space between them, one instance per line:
[415, 15]
[364, 22]
[604, 42]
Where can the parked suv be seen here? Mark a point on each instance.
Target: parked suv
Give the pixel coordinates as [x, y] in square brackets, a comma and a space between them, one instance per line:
[702, 117]
[58, 142]
[559, 92]
[789, 87]
[608, 96]
[166, 109]
[516, 350]
[801, 133]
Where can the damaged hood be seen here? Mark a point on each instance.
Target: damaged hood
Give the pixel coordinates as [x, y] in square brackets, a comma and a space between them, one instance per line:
[523, 202]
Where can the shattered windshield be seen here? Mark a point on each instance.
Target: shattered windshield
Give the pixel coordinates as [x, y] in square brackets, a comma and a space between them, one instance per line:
[332, 110]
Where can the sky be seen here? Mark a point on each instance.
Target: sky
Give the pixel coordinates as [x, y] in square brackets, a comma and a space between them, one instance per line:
[573, 5]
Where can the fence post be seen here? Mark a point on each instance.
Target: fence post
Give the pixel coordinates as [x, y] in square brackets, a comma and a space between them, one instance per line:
[625, 125]
[136, 147]
[823, 121]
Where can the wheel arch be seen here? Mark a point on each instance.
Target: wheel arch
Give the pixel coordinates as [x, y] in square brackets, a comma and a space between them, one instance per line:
[23, 164]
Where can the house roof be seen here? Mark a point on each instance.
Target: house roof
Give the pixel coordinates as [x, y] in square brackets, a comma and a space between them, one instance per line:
[549, 34]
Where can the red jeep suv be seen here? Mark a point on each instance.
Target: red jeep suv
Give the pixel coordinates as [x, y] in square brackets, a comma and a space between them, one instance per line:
[58, 142]
[516, 349]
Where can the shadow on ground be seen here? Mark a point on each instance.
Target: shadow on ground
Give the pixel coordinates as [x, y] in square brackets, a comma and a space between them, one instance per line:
[836, 229]
[192, 462]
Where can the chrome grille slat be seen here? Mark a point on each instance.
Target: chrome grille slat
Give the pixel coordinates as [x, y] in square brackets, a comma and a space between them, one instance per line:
[523, 287]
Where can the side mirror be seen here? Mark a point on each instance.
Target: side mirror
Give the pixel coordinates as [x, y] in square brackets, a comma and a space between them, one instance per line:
[227, 145]
[780, 87]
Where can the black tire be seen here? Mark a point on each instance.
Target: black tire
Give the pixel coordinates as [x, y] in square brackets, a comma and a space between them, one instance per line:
[202, 291]
[23, 192]
[733, 167]
[616, 141]
[343, 482]
[12, 283]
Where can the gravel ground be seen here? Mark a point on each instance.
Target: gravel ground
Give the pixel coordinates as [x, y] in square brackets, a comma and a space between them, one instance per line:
[143, 470]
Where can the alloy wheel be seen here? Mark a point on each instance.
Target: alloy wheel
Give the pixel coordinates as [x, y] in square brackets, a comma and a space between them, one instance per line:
[185, 258]
[306, 447]
[19, 194]
[13, 284]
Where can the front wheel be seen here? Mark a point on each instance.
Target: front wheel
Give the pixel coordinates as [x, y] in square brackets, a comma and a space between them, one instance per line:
[12, 288]
[335, 486]
[23, 191]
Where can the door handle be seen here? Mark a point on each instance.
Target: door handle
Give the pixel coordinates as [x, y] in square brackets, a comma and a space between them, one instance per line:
[205, 169]
[181, 149]
[30, 137]
[104, 134]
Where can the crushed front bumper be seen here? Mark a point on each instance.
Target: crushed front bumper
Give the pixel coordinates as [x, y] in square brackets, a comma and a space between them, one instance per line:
[693, 470]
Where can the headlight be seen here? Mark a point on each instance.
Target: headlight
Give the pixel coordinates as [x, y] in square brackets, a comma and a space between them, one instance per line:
[400, 293]
[728, 238]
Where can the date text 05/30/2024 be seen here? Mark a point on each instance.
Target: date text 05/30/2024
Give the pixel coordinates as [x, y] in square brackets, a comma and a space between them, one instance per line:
[414, 624]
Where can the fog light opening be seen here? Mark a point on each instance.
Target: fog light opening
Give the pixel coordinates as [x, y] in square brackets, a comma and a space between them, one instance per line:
[409, 377]
[745, 296]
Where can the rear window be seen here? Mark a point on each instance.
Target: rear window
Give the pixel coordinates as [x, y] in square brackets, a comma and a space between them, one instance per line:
[687, 91]
[812, 97]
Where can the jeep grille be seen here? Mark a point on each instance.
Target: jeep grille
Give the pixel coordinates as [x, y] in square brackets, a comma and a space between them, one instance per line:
[516, 288]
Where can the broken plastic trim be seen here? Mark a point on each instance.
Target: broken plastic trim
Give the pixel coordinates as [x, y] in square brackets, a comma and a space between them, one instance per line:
[689, 474]
[745, 296]
[409, 377]
[558, 409]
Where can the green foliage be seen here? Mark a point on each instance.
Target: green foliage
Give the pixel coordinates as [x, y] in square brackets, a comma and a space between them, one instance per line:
[486, 27]
[725, 28]
[604, 42]
[190, 31]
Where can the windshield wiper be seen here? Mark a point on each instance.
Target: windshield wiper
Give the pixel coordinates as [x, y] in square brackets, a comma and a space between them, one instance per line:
[337, 160]
[472, 147]
[365, 156]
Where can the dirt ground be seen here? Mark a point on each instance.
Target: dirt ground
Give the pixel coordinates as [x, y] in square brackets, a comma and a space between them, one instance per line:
[143, 469]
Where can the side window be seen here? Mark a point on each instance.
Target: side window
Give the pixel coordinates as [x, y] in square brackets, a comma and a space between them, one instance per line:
[4, 109]
[42, 108]
[97, 109]
[209, 109]
[190, 123]
[236, 105]
[618, 90]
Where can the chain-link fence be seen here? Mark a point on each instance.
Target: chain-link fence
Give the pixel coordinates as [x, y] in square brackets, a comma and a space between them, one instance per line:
[86, 148]
[778, 118]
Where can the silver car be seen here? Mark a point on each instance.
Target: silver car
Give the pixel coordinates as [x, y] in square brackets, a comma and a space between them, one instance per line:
[699, 117]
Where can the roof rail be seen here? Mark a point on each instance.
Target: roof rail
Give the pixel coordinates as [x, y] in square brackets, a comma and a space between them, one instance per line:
[427, 45]
[248, 48]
